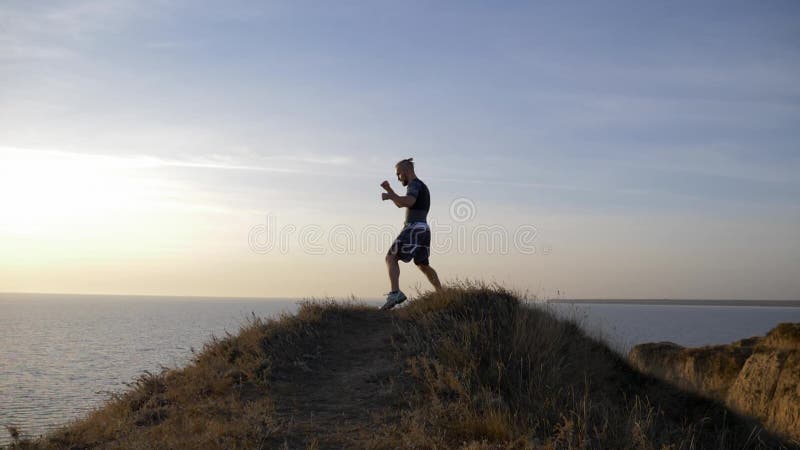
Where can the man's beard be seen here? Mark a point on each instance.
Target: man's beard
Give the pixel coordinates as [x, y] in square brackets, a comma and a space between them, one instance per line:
[404, 182]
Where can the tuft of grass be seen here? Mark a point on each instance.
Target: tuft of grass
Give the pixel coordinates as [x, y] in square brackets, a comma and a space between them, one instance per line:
[15, 434]
[784, 336]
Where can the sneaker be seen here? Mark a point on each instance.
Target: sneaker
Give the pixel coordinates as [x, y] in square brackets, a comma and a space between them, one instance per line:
[393, 299]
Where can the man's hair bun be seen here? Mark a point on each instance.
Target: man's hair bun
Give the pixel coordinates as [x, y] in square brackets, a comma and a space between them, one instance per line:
[408, 162]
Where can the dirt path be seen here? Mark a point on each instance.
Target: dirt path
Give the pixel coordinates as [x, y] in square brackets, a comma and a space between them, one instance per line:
[345, 387]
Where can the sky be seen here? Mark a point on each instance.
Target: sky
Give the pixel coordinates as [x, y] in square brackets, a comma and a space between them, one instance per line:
[572, 149]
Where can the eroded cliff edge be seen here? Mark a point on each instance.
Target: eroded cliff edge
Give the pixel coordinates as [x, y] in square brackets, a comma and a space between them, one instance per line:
[758, 376]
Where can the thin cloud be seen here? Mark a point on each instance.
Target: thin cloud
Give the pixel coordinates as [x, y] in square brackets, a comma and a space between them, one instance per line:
[525, 184]
[168, 45]
[35, 31]
[10, 50]
[154, 162]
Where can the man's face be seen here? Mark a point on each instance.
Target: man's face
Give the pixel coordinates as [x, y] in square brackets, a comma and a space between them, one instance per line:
[401, 176]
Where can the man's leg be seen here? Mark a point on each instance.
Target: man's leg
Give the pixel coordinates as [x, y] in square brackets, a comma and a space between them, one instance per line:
[394, 272]
[432, 276]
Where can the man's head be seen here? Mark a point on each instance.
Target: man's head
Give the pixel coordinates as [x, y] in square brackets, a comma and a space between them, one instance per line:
[405, 171]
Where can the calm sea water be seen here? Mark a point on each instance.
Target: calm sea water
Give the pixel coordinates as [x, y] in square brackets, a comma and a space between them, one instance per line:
[60, 356]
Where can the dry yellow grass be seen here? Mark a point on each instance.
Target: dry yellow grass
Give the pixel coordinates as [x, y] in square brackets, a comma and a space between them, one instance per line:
[471, 367]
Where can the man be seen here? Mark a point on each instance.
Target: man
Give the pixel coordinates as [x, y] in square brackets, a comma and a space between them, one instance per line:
[414, 240]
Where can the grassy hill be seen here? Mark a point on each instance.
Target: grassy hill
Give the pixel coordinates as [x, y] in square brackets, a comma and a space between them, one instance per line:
[470, 367]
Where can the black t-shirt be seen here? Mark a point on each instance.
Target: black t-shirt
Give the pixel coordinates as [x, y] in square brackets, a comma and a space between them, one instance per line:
[418, 212]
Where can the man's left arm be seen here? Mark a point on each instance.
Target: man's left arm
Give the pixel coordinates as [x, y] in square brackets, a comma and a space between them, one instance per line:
[401, 201]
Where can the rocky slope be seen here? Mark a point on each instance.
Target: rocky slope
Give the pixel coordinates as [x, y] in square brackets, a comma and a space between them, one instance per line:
[759, 376]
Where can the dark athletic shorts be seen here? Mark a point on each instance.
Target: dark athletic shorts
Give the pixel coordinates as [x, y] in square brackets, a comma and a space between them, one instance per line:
[414, 241]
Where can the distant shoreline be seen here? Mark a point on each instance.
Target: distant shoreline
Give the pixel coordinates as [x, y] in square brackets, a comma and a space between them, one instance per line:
[669, 302]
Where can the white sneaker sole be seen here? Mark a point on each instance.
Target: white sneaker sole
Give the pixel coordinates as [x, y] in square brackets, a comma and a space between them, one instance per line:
[391, 304]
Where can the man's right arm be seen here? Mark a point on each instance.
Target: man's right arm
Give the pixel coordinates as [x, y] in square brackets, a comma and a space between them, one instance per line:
[405, 201]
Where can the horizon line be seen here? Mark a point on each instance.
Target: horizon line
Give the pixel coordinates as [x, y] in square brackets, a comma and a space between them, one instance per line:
[622, 300]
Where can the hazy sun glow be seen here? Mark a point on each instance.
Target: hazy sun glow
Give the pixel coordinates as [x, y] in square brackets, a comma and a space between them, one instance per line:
[59, 192]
